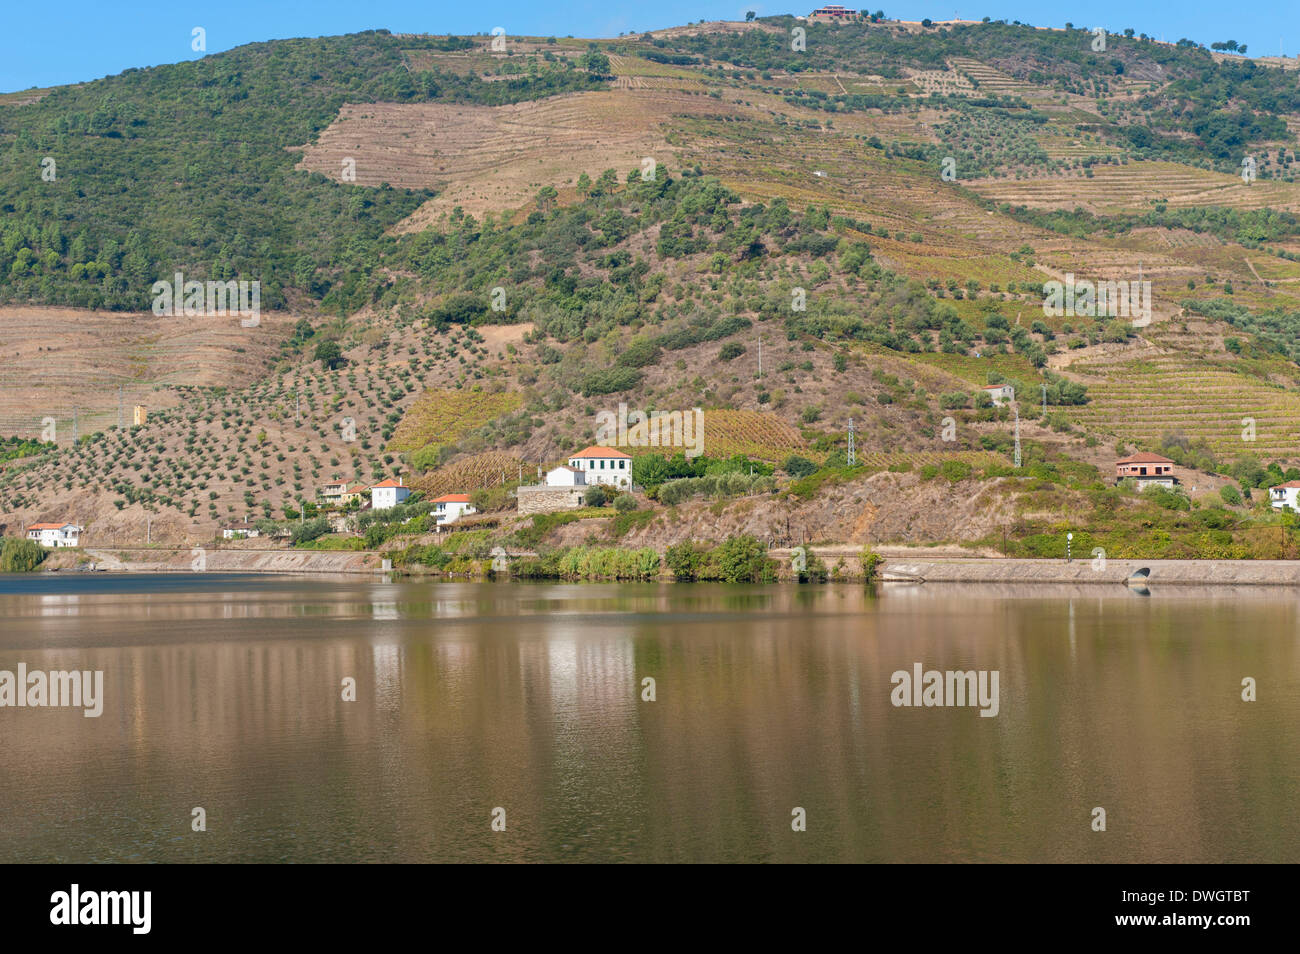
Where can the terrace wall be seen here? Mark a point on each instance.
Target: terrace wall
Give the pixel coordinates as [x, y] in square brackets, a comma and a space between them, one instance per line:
[539, 498]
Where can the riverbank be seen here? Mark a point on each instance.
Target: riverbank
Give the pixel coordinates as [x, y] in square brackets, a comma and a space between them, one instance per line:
[898, 565]
[212, 560]
[1087, 571]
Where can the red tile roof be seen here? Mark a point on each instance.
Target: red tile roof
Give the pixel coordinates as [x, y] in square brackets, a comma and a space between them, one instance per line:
[595, 450]
[1143, 457]
[48, 526]
[389, 483]
[452, 498]
[1289, 483]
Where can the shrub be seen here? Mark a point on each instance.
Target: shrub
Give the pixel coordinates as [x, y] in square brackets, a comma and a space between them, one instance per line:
[1169, 499]
[955, 470]
[686, 560]
[742, 560]
[309, 530]
[1231, 496]
[609, 381]
[731, 350]
[20, 556]
[625, 503]
[870, 560]
[596, 496]
[797, 466]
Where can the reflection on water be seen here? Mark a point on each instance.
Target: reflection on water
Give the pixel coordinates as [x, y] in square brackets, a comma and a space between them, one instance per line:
[226, 692]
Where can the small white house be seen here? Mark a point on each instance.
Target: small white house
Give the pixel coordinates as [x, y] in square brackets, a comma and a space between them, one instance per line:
[1000, 394]
[451, 507]
[388, 493]
[565, 476]
[55, 534]
[1285, 495]
[240, 531]
[603, 465]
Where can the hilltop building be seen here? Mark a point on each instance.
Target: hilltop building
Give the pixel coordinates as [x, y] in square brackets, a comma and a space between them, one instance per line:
[139, 415]
[833, 13]
[1147, 469]
[55, 534]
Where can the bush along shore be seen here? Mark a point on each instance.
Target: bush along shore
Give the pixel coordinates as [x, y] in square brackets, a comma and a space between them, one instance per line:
[738, 559]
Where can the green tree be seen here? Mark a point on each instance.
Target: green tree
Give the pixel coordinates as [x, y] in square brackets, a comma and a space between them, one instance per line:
[328, 354]
[546, 197]
[595, 63]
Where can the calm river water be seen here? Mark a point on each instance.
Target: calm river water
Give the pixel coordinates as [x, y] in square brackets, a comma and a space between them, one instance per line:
[225, 693]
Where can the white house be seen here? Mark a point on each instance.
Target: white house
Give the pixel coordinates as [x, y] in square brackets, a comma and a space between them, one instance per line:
[450, 507]
[1000, 394]
[564, 476]
[55, 534]
[1285, 495]
[603, 465]
[240, 531]
[388, 493]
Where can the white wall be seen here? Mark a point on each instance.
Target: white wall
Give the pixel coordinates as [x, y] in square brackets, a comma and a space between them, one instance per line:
[611, 475]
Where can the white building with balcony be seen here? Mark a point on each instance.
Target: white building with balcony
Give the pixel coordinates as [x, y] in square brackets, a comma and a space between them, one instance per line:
[55, 534]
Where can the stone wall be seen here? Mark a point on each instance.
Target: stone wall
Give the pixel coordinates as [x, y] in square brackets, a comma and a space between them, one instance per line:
[542, 499]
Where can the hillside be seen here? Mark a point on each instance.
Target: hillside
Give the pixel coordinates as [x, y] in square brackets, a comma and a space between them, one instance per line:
[502, 244]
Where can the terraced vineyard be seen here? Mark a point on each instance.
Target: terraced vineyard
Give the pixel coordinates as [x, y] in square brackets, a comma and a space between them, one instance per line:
[1140, 403]
[497, 157]
[1130, 188]
[441, 417]
[491, 469]
[753, 433]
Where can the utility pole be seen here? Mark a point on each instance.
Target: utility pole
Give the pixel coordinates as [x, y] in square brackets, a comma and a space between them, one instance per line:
[1044, 400]
[148, 529]
[119, 407]
[853, 457]
[760, 354]
[75, 435]
[1016, 411]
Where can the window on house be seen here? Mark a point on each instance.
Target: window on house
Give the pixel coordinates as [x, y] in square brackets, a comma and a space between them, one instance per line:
[622, 465]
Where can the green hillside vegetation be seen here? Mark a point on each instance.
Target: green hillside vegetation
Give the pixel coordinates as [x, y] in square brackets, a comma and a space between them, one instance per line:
[189, 167]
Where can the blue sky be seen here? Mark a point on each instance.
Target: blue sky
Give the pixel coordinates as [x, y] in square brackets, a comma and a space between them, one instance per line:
[48, 44]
